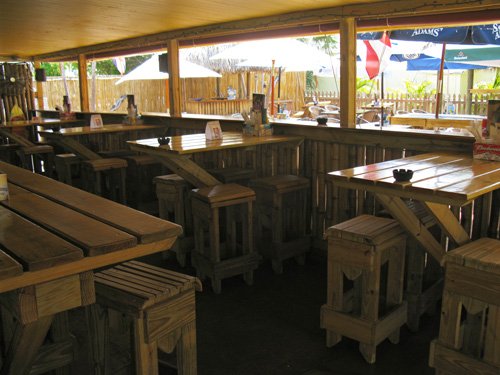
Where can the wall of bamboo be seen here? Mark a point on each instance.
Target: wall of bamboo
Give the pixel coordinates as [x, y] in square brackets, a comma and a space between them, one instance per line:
[150, 94]
[18, 93]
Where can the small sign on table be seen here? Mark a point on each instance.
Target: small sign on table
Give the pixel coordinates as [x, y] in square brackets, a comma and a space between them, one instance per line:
[213, 130]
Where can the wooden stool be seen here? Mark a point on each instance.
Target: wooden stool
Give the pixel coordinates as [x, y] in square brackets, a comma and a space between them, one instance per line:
[65, 165]
[282, 209]
[140, 172]
[235, 257]
[113, 170]
[8, 153]
[175, 205]
[233, 175]
[32, 157]
[359, 248]
[159, 303]
[469, 334]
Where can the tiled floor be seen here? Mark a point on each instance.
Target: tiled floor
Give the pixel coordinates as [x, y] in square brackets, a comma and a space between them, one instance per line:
[272, 327]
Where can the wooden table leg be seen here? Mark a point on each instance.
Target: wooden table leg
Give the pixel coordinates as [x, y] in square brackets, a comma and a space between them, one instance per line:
[24, 346]
[448, 222]
[407, 219]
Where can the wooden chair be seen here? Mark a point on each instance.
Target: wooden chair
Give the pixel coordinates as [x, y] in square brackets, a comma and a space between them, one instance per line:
[65, 167]
[140, 172]
[233, 256]
[106, 176]
[469, 334]
[160, 306]
[174, 204]
[281, 218]
[358, 249]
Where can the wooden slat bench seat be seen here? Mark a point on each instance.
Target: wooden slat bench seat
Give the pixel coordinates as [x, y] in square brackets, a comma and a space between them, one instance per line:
[160, 305]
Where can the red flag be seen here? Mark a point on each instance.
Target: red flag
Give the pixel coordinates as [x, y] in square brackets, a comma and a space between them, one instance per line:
[377, 51]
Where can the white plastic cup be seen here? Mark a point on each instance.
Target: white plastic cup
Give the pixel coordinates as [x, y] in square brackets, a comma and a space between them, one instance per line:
[4, 188]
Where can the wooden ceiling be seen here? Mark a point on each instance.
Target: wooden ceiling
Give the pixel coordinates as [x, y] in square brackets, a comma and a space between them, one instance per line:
[40, 27]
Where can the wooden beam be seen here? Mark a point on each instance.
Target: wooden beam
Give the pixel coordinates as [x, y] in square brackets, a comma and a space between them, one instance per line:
[317, 17]
[84, 86]
[174, 81]
[348, 72]
[39, 88]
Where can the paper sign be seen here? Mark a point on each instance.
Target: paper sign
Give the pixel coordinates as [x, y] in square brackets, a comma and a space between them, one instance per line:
[213, 130]
[4, 188]
[95, 121]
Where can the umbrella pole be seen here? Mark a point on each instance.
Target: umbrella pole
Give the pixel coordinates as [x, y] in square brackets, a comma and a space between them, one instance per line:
[272, 89]
[279, 87]
[439, 96]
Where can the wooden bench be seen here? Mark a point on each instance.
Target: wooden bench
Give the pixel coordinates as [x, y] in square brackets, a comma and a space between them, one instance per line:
[108, 176]
[469, 334]
[233, 175]
[159, 303]
[174, 203]
[358, 249]
[234, 256]
[281, 210]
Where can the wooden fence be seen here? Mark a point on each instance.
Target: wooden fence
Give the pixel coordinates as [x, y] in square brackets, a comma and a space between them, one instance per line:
[150, 94]
[406, 102]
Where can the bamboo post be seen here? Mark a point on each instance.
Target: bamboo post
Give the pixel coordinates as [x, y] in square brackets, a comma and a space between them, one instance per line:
[439, 97]
[174, 78]
[348, 72]
[83, 81]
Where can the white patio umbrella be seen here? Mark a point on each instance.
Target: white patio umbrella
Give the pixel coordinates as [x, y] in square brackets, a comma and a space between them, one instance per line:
[289, 54]
[150, 69]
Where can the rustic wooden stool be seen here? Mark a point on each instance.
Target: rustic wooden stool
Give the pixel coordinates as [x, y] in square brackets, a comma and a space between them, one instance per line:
[282, 210]
[175, 205]
[359, 249]
[140, 172]
[65, 165]
[8, 153]
[108, 172]
[234, 257]
[32, 158]
[160, 305]
[233, 175]
[469, 334]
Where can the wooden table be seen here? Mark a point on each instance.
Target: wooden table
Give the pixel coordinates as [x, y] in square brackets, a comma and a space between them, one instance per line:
[439, 180]
[23, 132]
[52, 236]
[66, 137]
[176, 155]
[429, 120]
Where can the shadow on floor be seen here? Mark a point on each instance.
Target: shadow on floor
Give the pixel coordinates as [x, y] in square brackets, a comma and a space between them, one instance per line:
[272, 327]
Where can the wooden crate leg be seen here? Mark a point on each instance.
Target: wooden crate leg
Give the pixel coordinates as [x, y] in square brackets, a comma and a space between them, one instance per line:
[395, 283]
[98, 328]
[146, 355]
[369, 306]
[186, 350]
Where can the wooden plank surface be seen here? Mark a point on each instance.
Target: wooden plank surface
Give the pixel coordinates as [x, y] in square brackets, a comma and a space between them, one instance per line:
[192, 143]
[85, 130]
[144, 227]
[91, 235]
[32, 246]
[8, 266]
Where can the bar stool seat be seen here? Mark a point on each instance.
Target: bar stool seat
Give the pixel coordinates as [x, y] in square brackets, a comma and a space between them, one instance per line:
[159, 304]
[174, 203]
[358, 249]
[234, 256]
[281, 218]
[109, 174]
[469, 333]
